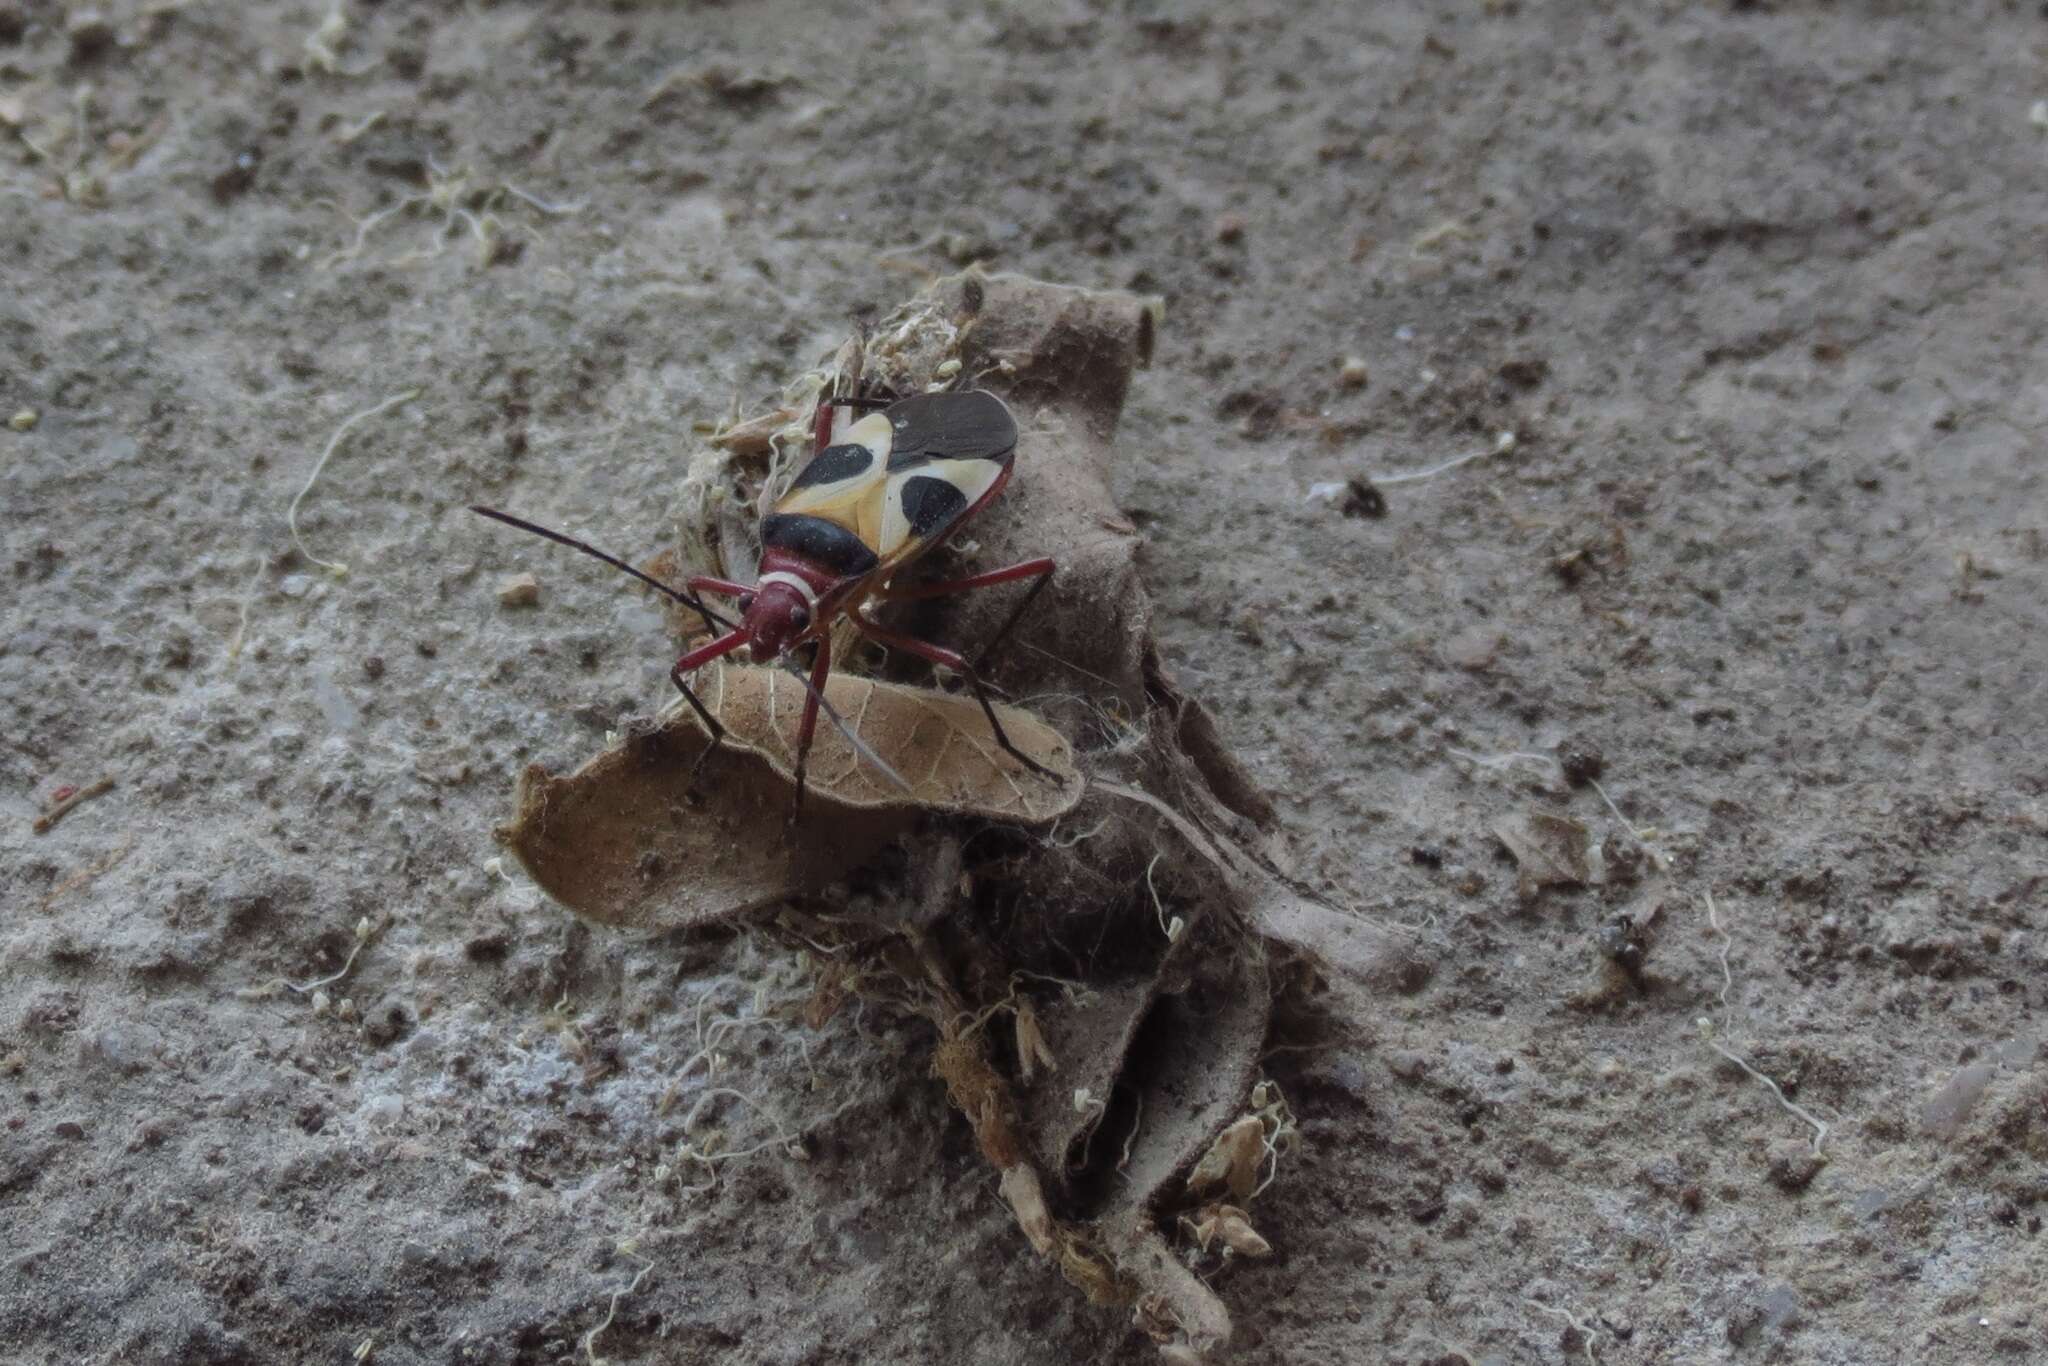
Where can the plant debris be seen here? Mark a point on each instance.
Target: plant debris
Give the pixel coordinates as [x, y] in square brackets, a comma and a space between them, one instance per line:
[1549, 850]
[1118, 1075]
[65, 799]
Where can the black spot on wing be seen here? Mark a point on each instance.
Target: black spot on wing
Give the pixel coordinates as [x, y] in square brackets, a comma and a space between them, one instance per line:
[833, 464]
[930, 503]
[966, 426]
[814, 538]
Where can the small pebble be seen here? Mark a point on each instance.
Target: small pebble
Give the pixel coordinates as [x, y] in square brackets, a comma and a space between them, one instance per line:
[1581, 760]
[1793, 1164]
[520, 590]
[25, 420]
[1353, 374]
[90, 33]
[1230, 229]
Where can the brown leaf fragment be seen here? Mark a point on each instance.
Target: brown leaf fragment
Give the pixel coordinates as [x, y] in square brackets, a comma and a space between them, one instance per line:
[1020, 1187]
[940, 743]
[1174, 1305]
[1033, 1052]
[1548, 850]
[1232, 1227]
[624, 841]
[755, 436]
[1232, 1160]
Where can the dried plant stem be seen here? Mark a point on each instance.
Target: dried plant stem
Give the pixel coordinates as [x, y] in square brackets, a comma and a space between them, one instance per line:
[611, 1311]
[49, 818]
[1727, 942]
[291, 515]
[1820, 1129]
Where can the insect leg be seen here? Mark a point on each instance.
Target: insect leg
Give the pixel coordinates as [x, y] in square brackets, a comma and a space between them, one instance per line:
[1040, 570]
[821, 669]
[821, 425]
[945, 658]
[690, 663]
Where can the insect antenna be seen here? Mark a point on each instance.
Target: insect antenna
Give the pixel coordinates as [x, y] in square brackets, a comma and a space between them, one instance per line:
[860, 746]
[712, 620]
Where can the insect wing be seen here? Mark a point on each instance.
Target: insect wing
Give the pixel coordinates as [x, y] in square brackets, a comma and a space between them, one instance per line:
[947, 454]
[832, 512]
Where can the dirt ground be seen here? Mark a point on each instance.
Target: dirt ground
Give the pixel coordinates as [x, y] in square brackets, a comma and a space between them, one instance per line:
[1755, 288]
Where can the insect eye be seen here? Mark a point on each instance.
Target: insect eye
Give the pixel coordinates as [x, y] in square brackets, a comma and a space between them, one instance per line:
[746, 603]
[800, 618]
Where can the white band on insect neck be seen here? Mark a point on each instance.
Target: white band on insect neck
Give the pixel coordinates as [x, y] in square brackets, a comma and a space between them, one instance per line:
[794, 581]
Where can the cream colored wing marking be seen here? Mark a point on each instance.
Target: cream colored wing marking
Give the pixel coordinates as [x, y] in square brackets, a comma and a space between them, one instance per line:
[845, 484]
[924, 502]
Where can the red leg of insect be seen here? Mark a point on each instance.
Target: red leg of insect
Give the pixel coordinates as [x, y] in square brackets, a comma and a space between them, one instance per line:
[821, 428]
[1030, 569]
[945, 658]
[725, 588]
[821, 669]
[690, 663]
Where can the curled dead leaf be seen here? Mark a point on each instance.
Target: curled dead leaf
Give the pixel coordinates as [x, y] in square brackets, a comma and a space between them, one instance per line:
[940, 744]
[1548, 849]
[1232, 1160]
[626, 840]
[630, 840]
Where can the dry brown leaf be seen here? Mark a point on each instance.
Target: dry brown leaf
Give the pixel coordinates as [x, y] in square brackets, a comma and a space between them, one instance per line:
[1229, 1224]
[1548, 849]
[1232, 1160]
[940, 743]
[623, 841]
[755, 436]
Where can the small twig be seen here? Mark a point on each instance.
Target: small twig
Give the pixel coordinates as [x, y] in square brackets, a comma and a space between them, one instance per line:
[1131, 1139]
[1499, 761]
[56, 810]
[242, 620]
[1503, 443]
[1820, 1130]
[1172, 930]
[1053, 841]
[1586, 1335]
[86, 875]
[611, 1311]
[1727, 942]
[291, 516]
[365, 932]
[543, 205]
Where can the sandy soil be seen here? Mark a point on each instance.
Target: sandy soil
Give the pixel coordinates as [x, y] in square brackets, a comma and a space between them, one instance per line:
[1757, 290]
